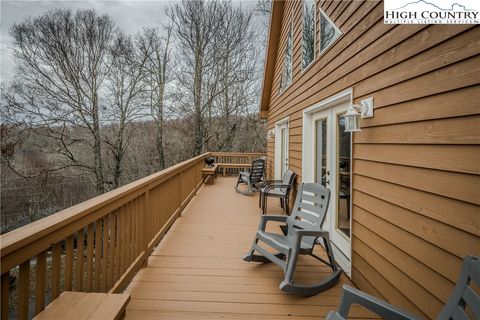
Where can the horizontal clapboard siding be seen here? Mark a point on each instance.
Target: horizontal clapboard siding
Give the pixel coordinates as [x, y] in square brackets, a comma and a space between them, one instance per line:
[416, 171]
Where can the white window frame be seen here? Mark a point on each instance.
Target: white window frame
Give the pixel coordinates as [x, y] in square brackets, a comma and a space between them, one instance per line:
[281, 88]
[314, 35]
[320, 34]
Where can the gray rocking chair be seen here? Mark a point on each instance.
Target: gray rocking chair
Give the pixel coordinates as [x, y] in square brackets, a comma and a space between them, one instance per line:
[302, 230]
[463, 295]
[253, 177]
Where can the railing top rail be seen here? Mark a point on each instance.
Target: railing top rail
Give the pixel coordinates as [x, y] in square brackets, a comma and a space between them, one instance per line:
[237, 153]
[27, 234]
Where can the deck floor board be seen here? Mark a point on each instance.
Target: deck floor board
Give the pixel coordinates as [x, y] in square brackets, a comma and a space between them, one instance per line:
[196, 272]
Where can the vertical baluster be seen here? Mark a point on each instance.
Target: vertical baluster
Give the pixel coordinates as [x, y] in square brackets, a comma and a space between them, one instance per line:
[141, 224]
[127, 234]
[122, 240]
[90, 234]
[153, 214]
[40, 276]
[4, 297]
[148, 210]
[148, 216]
[80, 252]
[23, 290]
[133, 230]
[158, 210]
[106, 225]
[179, 188]
[113, 227]
[135, 241]
[118, 243]
[68, 263]
[98, 253]
[56, 250]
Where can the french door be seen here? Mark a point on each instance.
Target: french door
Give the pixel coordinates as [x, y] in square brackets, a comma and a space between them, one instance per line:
[281, 149]
[329, 163]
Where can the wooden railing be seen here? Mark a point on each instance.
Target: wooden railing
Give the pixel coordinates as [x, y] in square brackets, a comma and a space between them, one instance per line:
[229, 158]
[95, 246]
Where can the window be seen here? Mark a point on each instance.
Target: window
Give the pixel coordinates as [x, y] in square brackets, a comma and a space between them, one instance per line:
[308, 43]
[328, 32]
[286, 79]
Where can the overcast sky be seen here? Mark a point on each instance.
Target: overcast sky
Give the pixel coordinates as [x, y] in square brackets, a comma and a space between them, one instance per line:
[131, 16]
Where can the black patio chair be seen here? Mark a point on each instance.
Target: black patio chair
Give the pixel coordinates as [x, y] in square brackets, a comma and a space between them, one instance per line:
[303, 229]
[277, 189]
[463, 295]
[253, 177]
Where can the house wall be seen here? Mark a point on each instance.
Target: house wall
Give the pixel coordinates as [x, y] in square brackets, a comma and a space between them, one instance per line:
[416, 165]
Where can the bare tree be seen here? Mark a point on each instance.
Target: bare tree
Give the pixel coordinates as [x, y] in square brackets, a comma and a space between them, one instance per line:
[236, 89]
[62, 63]
[263, 7]
[158, 76]
[219, 69]
[126, 104]
[195, 26]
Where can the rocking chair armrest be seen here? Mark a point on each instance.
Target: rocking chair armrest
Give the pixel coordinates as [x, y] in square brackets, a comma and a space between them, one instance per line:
[310, 233]
[352, 296]
[277, 186]
[265, 218]
[273, 181]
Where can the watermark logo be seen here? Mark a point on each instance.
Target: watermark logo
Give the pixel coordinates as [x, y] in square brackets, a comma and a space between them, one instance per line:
[432, 11]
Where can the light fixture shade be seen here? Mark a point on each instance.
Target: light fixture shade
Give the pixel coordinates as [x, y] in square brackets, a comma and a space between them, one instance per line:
[352, 119]
[271, 133]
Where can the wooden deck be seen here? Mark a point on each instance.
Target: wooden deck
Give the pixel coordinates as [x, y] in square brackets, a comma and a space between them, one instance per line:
[197, 272]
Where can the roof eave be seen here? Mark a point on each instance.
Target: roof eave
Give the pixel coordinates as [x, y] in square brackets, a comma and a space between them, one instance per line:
[271, 55]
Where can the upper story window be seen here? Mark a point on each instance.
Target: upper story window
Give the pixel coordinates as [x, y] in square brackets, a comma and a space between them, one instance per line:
[328, 32]
[286, 78]
[308, 43]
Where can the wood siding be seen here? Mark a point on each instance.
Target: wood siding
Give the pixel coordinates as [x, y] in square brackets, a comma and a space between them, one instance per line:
[416, 162]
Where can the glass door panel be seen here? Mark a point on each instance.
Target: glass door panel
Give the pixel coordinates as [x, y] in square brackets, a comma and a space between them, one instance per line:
[283, 151]
[343, 152]
[321, 152]
[327, 161]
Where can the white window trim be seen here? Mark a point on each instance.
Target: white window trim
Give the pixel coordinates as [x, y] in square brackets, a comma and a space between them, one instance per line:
[284, 121]
[314, 35]
[282, 90]
[307, 153]
[336, 29]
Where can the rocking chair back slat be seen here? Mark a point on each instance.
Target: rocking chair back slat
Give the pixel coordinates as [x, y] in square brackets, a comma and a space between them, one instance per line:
[257, 169]
[309, 198]
[252, 177]
[288, 179]
[310, 209]
[306, 216]
[464, 295]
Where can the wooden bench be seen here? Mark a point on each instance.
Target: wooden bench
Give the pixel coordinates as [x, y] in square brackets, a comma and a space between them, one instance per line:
[210, 173]
[224, 166]
[81, 305]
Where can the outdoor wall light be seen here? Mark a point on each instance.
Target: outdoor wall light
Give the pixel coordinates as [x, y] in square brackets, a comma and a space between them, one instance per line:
[271, 133]
[355, 111]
